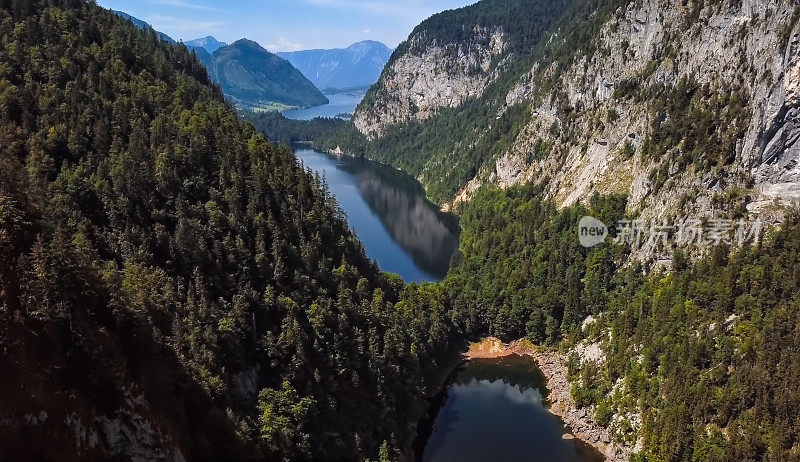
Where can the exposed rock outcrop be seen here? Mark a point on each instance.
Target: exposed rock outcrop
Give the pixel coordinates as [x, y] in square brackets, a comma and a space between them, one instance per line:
[777, 165]
[578, 420]
[450, 60]
[656, 43]
[587, 110]
[427, 78]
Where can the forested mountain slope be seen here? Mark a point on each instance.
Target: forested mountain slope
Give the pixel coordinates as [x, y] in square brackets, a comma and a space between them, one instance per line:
[172, 285]
[605, 103]
[668, 109]
[697, 364]
[451, 58]
[252, 77]
[433, 103]
[143, 25]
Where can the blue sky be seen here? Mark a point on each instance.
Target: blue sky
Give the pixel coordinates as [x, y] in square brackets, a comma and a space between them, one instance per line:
[286, 25]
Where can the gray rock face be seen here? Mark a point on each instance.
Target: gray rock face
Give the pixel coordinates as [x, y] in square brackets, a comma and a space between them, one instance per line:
[209, 43]
[777, 166]
[578, 421]
[425, 79]
[737, 45]
[752, 46]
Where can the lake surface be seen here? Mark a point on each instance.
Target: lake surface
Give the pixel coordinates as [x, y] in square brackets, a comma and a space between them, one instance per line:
[400, 229]
[340, 103]
[494, 412]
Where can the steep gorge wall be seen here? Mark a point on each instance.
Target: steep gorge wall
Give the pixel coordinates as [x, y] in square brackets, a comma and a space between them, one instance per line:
[416, 84]
[687, 107]
[451, 58]
[606, 106]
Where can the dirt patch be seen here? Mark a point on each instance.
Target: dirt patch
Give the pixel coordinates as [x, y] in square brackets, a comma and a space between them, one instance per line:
[492, 347]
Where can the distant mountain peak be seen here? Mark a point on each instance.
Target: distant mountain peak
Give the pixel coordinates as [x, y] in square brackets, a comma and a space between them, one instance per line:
[208, 43]
[369, 43]
[251, 76]
[358, 65]
[249, 43]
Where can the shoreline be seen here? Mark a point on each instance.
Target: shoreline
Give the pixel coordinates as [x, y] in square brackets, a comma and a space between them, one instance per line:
[452, 360]
[579, 422]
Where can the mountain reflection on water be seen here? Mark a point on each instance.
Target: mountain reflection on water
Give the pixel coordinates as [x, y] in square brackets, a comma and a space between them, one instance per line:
[493, 410]
[413, 222]
[407, 223]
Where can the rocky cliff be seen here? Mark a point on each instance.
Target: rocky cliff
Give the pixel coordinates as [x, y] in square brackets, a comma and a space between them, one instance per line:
[426, 78]
[687, 107]
[679, 107]
[450, 59]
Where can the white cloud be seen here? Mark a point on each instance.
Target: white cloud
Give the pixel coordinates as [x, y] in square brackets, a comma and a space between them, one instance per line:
[283, 44]
[367, 31]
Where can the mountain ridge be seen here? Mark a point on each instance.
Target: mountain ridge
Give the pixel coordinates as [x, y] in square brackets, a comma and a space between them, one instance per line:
[437, 82]
[529, 100]
[357, 65]
[144, 25]
[208, 43]
[172, 285]
[252, 76]
[252, 81]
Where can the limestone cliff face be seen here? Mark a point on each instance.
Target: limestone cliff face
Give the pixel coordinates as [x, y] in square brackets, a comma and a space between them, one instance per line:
[688, 107]
[596, 144]
[774, 150]
[430, 76]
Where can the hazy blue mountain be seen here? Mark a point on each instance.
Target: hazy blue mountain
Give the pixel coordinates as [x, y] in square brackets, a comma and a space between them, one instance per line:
[209, 43]
[143, 25]
[203, 55]
[251, 76]
[358, 65]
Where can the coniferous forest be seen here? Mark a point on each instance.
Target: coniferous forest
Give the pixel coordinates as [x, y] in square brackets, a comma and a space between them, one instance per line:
[163, 266]
[279, 129]
[706, 352]
[153, 246]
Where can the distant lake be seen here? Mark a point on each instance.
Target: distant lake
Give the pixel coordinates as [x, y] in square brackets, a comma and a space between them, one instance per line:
[400, 229]
[340, 103]
[494, 410]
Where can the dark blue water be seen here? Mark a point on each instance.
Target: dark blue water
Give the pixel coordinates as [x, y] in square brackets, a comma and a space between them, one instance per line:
[340, 103]
[388, 210]
[494, 412]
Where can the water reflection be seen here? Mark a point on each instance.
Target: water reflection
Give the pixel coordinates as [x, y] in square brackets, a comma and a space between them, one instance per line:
[494, 411]
[427, 234]
[405, 233]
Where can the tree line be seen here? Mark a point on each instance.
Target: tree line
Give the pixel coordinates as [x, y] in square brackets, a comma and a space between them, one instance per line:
[153, 242]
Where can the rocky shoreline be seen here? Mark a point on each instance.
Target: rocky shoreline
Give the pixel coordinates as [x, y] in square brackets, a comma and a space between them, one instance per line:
[580, 422]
